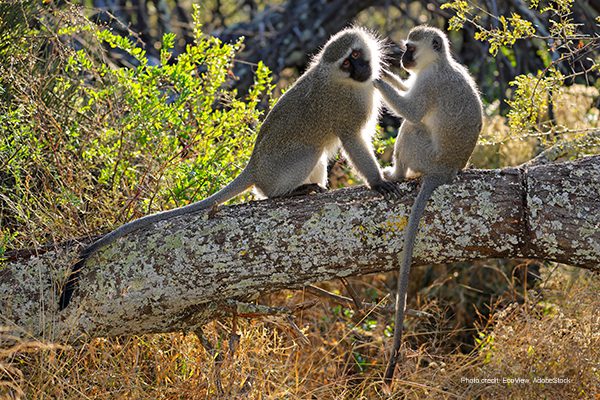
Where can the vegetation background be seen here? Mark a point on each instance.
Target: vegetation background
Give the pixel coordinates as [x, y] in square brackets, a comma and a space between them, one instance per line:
[110, 110]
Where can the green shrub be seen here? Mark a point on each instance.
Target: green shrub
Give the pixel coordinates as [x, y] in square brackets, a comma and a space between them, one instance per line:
[85, 145]
[535, 97]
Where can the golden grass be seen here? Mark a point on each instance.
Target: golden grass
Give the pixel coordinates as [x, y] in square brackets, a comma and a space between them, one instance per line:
[553, 333]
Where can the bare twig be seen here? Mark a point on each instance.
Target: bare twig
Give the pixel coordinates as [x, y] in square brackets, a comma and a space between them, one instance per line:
[346, 301]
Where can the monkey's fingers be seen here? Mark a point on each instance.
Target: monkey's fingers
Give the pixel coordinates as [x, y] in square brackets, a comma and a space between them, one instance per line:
[387, 189]
[397, 191]
[386, 74]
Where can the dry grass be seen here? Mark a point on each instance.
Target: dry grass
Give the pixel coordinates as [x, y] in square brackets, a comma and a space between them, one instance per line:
[553, 333]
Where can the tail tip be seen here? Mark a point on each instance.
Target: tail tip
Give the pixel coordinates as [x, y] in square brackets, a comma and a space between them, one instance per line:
[65, 297]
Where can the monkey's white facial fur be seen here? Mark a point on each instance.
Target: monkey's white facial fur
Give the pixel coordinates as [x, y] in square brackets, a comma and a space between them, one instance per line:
[352, 55]
[425, 45]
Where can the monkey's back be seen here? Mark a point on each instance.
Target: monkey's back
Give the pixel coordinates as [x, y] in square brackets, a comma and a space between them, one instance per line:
[458, 114]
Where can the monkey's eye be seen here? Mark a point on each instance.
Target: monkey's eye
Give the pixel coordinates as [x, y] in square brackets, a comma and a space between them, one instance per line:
[355, 54]
[346, 63]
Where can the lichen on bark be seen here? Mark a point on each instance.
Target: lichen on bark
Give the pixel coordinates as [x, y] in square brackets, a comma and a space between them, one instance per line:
[180, 273]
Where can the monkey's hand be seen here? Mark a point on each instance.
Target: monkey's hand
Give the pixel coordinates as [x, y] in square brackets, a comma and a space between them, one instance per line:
[392, 79]
[386, 75]
[385, 87]
[387, 189]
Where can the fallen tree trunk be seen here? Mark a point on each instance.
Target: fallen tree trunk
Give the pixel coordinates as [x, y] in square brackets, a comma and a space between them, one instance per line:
[181, 273]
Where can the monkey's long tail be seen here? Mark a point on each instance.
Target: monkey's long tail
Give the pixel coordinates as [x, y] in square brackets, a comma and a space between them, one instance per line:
[239, 185]
[428, 186]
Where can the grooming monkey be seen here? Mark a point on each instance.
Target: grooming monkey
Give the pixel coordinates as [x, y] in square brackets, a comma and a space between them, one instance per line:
[333, 103]
[443, 115]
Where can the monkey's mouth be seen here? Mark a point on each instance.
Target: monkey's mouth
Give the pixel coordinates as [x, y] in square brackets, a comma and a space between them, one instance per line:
[361, 70]
[408, 64]
[361, 75]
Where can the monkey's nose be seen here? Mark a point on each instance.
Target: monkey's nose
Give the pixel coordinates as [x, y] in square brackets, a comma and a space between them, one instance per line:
[402, 46]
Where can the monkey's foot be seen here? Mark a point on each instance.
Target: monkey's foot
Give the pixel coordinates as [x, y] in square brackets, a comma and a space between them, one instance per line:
[306, 189]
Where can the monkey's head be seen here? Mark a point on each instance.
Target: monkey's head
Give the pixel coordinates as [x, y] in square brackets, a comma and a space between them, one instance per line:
[425, 45]
[351, 55]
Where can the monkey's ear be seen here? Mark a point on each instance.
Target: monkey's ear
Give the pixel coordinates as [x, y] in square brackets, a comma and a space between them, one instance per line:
[437, 43]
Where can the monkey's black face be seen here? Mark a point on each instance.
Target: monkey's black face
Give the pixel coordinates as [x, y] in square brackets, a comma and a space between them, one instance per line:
[408, 58]
[357, 66]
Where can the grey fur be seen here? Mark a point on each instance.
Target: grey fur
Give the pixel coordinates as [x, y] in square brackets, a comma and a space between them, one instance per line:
[324, 109]
[443, 117]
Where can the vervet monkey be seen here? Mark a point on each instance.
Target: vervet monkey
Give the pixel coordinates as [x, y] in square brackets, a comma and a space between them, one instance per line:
[333, 103]
[443, 116]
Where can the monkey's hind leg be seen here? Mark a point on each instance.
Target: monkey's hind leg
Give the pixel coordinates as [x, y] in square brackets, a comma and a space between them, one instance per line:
[316, 181]
[414, 153]
[319, 173]
[285, 173]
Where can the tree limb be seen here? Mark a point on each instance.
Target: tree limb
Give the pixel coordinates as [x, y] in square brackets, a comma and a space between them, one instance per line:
[181, 273]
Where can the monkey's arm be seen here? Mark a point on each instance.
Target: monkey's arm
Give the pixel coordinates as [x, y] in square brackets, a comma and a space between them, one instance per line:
[363, 158]
[394, 80]
[411, 106]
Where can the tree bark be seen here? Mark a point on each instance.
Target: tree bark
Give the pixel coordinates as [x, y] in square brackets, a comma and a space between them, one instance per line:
[181, 273]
